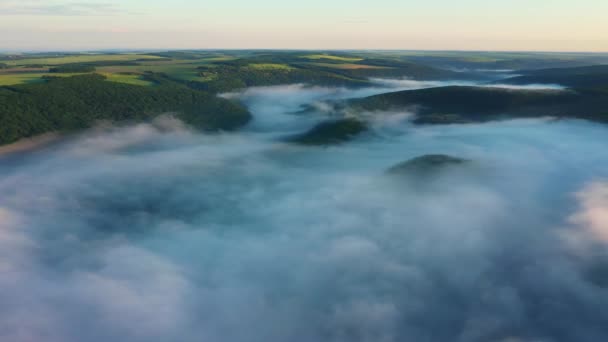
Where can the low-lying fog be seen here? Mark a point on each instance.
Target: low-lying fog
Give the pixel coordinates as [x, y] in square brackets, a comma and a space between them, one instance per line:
[157, 233]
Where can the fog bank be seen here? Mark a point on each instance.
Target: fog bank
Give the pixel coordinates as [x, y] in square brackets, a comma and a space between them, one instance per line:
[154, 232]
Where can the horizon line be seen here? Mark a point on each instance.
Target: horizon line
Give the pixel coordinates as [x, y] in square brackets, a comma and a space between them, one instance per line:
[6, 51]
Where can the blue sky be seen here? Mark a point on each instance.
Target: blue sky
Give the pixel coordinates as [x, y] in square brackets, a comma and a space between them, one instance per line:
[557, 25]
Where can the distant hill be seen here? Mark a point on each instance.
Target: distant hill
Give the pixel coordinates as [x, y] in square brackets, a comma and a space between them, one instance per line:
[460, 104]
[329, 71]
[464, 60]
[387, 68]
[228, 76]
[595, 76]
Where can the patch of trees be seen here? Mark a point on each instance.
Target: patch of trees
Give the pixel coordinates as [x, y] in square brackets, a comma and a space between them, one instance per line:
[331, 132]
[72, 68]
[85, 67]
[231, 76]
[394, 68]
[72, 103]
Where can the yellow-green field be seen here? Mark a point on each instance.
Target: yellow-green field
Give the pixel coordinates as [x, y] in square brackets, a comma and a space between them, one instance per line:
[333, 58]
[34, 77]
[269, 66]
[184, 69]
[348, 66]
[179, 69]
[12, 79]
[79, 59]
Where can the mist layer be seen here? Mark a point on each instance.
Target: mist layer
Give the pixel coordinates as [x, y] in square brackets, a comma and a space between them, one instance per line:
[154, 232]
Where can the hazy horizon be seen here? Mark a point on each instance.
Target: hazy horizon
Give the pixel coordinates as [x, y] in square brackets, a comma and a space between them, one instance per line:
[158, 49]
[472, 25]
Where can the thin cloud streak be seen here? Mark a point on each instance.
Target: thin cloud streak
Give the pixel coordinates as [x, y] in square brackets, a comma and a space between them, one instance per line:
[55, 9]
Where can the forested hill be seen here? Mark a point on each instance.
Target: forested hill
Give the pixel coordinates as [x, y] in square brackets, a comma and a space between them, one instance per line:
[460, 104]
[594, 76]
[65, 104]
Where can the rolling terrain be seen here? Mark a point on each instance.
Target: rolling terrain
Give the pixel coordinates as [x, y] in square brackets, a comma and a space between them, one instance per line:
[462, 104]
[62, 92]
[588, 77]
[77, 102]
[585, 96]
[202, 195]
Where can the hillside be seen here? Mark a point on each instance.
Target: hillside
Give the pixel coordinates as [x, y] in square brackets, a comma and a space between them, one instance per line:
[581, 77]
[49, 92]
[323, 70]
[64, 104]
[228, 76]
[389, 68]
[488, 60]
[460, 104]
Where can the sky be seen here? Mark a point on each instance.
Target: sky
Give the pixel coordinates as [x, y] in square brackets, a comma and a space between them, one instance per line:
[547, 25]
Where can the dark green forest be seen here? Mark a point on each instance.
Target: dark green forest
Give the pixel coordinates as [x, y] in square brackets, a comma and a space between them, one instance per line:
[461, 104]
[331, 132]
[588, 77]
[73, 68]
[66, 104]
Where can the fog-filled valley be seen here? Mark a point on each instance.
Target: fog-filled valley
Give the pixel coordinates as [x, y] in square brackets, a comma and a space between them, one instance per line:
[155, 231]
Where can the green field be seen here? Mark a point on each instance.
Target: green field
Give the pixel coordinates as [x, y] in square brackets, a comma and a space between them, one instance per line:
[347, 66]
[35, 77]
[183, 72]
[78, 59]
[20, 70]
[133, 79]
[269, 66]
[334, 58]
[11, 79]
[180, 67]
[228, 70]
